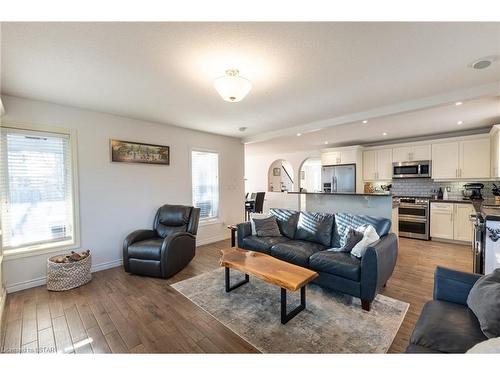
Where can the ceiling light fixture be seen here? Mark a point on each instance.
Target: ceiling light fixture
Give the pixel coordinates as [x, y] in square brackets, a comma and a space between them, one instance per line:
[326, 142]
[232, 87]
[384, 134]
[458, 103]
[460, 122]
[299, 134]
[483, 62]
[365, 121]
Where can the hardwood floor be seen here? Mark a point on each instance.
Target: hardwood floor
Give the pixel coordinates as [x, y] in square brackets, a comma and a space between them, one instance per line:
[122, 313]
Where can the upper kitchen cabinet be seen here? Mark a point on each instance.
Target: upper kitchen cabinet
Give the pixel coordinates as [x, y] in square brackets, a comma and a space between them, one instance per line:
[344, 155]
[377, 164]
[411, 153]
[461, 159]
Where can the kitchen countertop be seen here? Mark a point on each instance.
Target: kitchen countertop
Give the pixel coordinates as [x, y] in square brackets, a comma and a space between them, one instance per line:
[354, 194]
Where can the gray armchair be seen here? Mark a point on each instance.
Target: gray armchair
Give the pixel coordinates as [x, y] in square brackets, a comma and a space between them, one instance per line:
[168, 247]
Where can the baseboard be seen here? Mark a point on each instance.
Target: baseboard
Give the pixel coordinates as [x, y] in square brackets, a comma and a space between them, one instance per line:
[212, 239]
[3, 298]
[43, 280]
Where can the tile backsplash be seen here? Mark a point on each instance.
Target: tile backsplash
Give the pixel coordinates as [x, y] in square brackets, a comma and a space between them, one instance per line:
[427, 187]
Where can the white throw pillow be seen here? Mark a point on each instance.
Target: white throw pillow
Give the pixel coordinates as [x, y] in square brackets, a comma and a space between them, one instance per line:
[256, 215]
[369, 236]
[486, 347]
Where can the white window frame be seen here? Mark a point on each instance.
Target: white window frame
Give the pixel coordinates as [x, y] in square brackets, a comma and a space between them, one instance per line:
[74, 243]
[214, 219]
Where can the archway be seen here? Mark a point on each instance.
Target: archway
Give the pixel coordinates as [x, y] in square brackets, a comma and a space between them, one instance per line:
[280, 176]
[310, 175]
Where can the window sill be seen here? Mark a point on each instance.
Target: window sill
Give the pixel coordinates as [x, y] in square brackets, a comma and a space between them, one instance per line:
[212, 221]
[35, 250]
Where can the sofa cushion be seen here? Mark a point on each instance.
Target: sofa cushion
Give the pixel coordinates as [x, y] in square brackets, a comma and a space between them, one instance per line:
[147, 249]
[336, 263]
[262, 244]
[315, 227]
[484, 301]
[267, 227]
[447, 327]
[287, 221]
[343, 221]
[296, 252]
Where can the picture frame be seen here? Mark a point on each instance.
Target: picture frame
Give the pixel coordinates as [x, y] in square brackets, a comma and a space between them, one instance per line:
[138, 153]
[276, 171]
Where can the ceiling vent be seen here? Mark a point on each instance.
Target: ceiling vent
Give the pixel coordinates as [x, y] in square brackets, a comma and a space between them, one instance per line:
[483, 62]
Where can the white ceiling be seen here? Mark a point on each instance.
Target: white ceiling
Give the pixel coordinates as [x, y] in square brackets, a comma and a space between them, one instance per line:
[475, 115]
[302, 73]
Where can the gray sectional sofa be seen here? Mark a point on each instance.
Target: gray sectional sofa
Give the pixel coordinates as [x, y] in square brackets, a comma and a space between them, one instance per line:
[305, 238]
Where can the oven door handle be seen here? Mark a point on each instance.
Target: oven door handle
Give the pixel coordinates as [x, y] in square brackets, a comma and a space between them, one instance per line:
[413, 219]
[402, 205]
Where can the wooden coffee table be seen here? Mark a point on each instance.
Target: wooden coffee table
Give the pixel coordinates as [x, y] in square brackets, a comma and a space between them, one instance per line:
[274, 271]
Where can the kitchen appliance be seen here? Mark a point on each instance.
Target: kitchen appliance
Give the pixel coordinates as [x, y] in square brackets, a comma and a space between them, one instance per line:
[413, 217]
[478, 243]
[339, 178]
[412, 169]
[491, 258]
[473, 190]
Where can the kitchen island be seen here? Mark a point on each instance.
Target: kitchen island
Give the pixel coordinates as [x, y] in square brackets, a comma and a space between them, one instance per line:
[373, 204]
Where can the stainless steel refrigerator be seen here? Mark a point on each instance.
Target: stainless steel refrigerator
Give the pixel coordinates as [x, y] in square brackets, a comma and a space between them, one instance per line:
[339, 178]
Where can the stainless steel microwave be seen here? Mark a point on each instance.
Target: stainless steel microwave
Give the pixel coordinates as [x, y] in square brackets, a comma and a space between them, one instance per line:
[412, 169]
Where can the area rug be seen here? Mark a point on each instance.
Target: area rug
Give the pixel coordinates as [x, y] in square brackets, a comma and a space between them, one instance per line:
[331, 323]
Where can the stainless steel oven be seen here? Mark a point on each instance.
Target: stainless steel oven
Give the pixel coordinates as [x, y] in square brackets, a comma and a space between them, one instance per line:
[412, 169]
[413, 217]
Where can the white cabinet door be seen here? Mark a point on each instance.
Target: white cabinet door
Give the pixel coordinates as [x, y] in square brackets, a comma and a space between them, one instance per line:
[421, 152]
[330, 158]
[400, 154]
[384, 164]
[442, 220]
[462, 226]
[370, 165]
[348, 157]
[475, 158]
[445, 160]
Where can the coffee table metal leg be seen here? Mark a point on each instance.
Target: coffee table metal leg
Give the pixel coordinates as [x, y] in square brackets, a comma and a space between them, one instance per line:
[230, 287]
[285, 318]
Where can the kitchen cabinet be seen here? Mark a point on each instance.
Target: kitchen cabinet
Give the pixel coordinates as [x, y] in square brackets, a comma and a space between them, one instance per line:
[462, 226]
[451, 221]
[411, 153]
[442, 220]
[377, 164]
[346, 156]
[462, 159]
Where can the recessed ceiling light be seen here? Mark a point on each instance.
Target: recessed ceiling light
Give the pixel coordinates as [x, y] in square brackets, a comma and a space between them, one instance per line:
[384, 134]
[460, 122]
[458, 103]
[326, 142]
[299, 134]
[365, 121]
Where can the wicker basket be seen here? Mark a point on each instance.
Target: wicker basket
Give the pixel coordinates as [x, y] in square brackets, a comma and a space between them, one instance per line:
[65, 276]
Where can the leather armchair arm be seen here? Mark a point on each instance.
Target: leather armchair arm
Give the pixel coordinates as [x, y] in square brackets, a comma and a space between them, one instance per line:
[177, 250]
[135, 236]
[453, 286]
[377, 265]
[244, 230]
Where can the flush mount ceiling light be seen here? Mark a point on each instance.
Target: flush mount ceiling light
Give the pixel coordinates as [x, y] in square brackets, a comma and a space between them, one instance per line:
[460, 122]
[458, 103]
[483, 62]
[299, 134]
[232, 87]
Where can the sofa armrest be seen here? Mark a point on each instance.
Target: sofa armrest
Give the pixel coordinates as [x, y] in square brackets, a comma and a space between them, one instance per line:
[135, 236]
[177, 250]
[377, 265]
[453, 286]
[244, 230]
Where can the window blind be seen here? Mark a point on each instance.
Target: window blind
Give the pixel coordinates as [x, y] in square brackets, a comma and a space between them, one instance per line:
[205, 180]
[35, 188]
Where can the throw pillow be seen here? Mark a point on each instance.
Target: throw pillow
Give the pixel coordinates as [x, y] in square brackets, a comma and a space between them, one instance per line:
[369, 236]
[484, 301]
[267, 227]
[255, 215]
[351, 238]
[491, 346]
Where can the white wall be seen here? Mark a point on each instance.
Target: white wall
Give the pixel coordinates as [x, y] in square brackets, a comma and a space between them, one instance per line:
[116, 198]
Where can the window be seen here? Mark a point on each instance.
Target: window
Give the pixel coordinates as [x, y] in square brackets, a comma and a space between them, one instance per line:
[205, 180]
[37, 190]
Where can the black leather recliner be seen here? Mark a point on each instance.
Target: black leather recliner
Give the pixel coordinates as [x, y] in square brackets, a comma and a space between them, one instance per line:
[168, 248]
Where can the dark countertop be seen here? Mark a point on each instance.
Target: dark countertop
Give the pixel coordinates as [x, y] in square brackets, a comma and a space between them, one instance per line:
[452, 200]
[355, 194]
